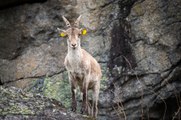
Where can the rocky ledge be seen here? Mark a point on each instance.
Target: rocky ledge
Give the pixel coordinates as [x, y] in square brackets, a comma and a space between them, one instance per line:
[18, 105]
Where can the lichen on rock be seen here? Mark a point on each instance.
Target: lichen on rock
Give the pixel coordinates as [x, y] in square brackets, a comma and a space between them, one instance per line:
[16, 104]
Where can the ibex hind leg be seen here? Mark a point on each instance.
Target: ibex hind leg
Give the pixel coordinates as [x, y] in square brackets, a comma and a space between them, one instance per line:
[84, 109]
[95, 98]
[88, 110]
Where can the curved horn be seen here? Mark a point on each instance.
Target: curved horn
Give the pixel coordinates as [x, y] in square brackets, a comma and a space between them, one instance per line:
[77, 21]
[66, 22]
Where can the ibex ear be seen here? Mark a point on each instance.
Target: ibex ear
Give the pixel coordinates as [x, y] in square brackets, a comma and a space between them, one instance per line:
[66, 22]
[83, 31]
[62, 33]
[77, 21]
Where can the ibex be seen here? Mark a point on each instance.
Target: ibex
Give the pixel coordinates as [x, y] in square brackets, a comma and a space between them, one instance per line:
[83, 70]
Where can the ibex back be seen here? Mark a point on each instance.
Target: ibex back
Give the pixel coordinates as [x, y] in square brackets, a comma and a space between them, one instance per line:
[83, 70]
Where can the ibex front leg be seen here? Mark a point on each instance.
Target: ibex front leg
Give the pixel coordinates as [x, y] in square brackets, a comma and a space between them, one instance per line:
[74, 101]
[73, 90]
[84, 108]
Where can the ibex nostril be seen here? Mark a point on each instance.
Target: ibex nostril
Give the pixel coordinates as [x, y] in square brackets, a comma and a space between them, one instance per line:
[73, 45]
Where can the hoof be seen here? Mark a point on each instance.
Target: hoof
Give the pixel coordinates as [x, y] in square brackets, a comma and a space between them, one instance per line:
[73, 109]
[84, 111]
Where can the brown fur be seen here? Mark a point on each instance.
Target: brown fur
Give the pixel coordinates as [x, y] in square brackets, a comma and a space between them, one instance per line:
[83, 71]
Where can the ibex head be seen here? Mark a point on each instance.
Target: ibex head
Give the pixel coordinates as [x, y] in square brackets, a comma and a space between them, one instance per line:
[73, 33]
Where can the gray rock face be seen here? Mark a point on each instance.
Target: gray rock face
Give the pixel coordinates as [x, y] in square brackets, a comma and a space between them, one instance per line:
[146, 75]
[137, 43]
[11, 3]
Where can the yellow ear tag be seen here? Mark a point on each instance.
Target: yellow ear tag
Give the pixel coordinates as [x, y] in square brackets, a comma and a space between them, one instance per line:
[62, 34]
[84, 32]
